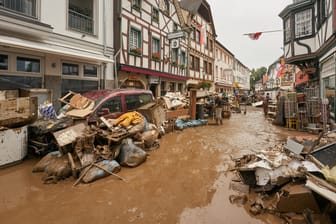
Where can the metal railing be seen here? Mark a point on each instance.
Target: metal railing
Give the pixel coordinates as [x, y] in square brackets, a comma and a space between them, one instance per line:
[80, 22]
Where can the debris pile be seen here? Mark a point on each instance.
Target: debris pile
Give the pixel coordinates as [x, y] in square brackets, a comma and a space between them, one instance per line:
[289, 182]
[89, 152]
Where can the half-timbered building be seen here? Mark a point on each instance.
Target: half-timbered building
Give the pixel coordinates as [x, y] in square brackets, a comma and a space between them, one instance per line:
[152, 48]
[310, 43]
[202, 45]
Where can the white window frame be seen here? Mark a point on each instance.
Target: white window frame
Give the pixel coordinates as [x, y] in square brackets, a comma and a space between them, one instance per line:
[155, 45]
[94, 19]
[304, 23]
[135, 39]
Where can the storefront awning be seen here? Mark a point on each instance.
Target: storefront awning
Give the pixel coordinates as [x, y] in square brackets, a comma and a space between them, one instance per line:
[127, 68]
[52, 49]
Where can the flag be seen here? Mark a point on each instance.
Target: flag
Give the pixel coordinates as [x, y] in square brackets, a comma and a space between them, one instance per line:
[203, 33]
[254, 36]
[280, 71]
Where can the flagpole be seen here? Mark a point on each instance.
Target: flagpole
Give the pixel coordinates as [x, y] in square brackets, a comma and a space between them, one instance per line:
[269, 31]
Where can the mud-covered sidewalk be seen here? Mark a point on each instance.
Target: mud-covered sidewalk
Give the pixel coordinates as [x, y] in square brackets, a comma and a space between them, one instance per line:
[184, 181]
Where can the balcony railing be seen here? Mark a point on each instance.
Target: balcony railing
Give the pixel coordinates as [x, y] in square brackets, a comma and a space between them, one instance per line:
[80, 22]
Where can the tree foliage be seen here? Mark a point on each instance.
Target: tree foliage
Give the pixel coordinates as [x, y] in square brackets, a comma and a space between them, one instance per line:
[256, 75]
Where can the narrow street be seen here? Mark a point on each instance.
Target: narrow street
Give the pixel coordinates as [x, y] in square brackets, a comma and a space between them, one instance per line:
[185, 181]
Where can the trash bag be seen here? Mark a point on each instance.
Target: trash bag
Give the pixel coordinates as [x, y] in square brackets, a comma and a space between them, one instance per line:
[59, 168]
[130, 154]
[149, 137]
[96, 173]
[141, 126]
[45, 161]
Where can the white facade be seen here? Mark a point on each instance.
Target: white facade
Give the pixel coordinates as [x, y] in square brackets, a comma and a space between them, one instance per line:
[60, 45]
[224, 61]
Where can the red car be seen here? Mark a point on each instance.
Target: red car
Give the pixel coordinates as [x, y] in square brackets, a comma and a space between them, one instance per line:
[111, 103]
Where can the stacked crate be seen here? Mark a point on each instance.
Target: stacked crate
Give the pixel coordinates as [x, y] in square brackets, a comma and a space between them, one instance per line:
[313, 105]
[291, 110]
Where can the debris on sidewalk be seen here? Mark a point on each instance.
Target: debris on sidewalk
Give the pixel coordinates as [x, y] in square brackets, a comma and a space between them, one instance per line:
[289, 180]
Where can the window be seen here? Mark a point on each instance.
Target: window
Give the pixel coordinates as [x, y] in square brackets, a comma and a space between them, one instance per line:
[287, 30]
[192, 33]
[175, 27]
[197, 36]
[183, 58]
[174, 56]
[135, 41]
[113, 105]
[90, 71]
[80, 16]
[205, 67]
[172, 86]
[155, 15]
[210, 68]
[3, 62]
[210, 45]
[24, 7]
[136, 101]
[136, 4]
[303, 23]
[24, 64]
[156, 49]
[180, 87]
[322, 11]
[194, 63]
[70, 69]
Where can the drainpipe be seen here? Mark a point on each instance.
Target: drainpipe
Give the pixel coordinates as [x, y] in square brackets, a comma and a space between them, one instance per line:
[104, 43]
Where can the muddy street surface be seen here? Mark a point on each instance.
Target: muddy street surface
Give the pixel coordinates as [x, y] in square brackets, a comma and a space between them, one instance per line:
[185, 181]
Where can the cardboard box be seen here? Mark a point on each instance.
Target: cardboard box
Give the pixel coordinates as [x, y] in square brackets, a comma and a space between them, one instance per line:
[297, 198]
[18, 112]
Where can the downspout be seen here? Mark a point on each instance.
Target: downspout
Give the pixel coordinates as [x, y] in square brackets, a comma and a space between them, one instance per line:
[104, 43]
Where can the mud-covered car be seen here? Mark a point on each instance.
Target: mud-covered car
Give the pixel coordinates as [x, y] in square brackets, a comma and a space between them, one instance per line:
[111, 103]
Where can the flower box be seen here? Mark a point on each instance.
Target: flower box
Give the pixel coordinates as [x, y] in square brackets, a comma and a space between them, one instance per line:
[156, 56]
[136, 51]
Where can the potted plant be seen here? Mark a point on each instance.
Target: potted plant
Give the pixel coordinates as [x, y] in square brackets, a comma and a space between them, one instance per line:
[156, 56]
[175, 63]
[182, 66]
[136, 51]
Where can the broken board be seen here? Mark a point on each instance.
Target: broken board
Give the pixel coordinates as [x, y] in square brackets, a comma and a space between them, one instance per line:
[69, 135]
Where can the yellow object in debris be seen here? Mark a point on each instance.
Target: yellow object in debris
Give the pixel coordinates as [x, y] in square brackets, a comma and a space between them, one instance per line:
[130, 118]
[329, 174]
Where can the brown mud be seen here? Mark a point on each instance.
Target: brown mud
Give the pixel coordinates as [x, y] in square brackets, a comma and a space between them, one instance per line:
[185, 181]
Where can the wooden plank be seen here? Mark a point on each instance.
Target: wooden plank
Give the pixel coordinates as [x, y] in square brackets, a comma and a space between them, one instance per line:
[69, 135]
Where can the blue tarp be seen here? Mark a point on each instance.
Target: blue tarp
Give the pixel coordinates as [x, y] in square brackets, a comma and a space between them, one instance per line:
[180, 124]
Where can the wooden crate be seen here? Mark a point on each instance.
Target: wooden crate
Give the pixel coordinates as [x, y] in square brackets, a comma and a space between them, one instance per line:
[18, 112]
[172, 114]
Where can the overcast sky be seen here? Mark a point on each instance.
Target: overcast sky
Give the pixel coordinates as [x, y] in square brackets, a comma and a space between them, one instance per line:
[233, 18]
